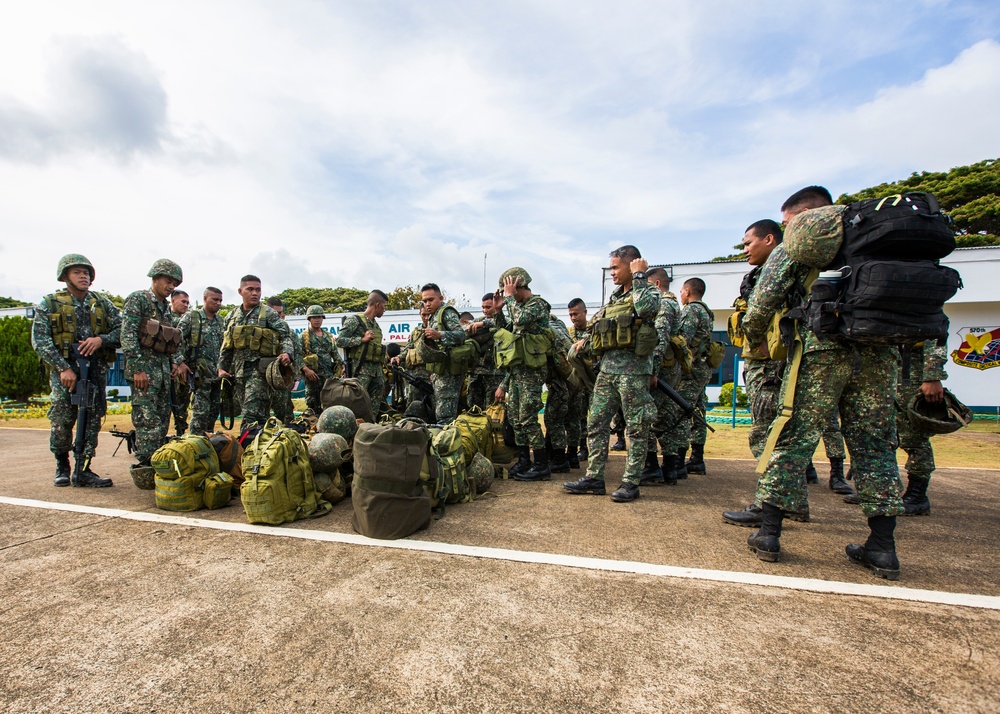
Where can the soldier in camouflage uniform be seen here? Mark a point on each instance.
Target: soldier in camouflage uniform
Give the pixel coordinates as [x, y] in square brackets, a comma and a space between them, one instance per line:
[201, 342]
[444, 332]
[180, 397]
[253, 335]
[527, 317]
[624, 380]
[148, 368]
[557, 402]
[696, 325]
[921, 371]
[361, 338]
[281, 399]
[409, 357]
[668, 371]
[579, 402]
[857, 378]
[485, 378]
[90, 323]
[320, 358]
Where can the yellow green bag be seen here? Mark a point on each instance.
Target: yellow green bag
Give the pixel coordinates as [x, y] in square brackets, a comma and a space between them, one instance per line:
[218, 491]
[181, 467]
[507, 349]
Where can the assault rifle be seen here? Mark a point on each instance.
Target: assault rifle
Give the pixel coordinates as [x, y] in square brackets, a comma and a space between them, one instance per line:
[689, 411]
[422, 385]
[81, 398]
[125, 437]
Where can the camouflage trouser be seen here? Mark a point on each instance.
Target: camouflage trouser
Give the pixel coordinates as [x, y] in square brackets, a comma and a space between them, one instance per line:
[668, 414]
[254, 394]
[206, 407]
[692, 388]
[556, 410]
[915, 442]
[699, 429]
[151, 414]
[281, 405]
[483, 389]
[763, 380]
[576, 417]
[180, 401]
[833, 439]
[62, 413]
[524, 401]
[827, 380]
[372, 378]
[630, 393]
[313, 391]
[447, 389]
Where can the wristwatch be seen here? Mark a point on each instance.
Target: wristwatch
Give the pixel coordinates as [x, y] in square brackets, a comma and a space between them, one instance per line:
[639, 274]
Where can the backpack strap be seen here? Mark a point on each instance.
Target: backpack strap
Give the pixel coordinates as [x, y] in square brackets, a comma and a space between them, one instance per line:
[785, 415]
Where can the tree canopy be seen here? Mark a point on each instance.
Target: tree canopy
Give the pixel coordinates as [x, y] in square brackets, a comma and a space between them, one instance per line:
[11, 302]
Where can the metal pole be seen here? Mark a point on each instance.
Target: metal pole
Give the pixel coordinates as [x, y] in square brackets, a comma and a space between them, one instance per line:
[484, 272]
[736, 382]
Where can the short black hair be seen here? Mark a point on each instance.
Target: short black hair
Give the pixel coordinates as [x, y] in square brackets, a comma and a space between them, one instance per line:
[810, 197]
[432, 286]
[249, 279]
[177, 293]
[696, 286]
[575, 302]
[275, 301]
[628, 253]
[385, 298]
[658, 274]
[765, 227]
[210, 289]
[487, 296]
[392, 349]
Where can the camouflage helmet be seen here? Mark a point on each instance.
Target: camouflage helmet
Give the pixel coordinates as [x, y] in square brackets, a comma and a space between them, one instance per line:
[944, 417]
[165, 266]
[481, 471]
[144, 477]
[523, 279]
[338, 419]
[328, 451]
[279, 376]
[71, 260]
[813, 237]
[315, 311]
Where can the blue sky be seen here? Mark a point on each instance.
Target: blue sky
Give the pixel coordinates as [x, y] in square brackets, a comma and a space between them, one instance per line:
[379, 144]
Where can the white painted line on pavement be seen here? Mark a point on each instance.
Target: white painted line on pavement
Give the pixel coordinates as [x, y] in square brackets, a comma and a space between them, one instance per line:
[833, 587]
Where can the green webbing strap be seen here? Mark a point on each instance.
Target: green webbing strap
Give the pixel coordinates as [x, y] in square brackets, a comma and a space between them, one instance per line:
[791, 379]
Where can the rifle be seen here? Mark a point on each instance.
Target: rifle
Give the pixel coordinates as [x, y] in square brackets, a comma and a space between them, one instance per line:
[689, 411]
[80, 398]
[127, 438]
[227, 406]
[422, 385]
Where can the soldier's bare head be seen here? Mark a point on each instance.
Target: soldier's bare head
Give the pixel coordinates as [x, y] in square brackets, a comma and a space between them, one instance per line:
[277, 304]
[180, 301]
[375, 306]
[621, 274]
[577, 313]
[760, 239]
[660, 278]
[213, 300]
[487, 305]
[803, 200]
[431, 296]
[250, 291]
[694, 289]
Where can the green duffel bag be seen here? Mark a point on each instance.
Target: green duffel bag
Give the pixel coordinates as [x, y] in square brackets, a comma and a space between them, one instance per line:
[181, 467]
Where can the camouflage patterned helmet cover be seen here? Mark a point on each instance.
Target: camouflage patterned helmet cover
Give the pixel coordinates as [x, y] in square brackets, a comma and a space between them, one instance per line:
[945, 417]
[481, 471]
[279, 376]
[813, 237]
[143, 477]
[165, 266]
[328, 451]
[338, 419]
[523, 279]
[315, 311]
[68, 261]
[331, 486]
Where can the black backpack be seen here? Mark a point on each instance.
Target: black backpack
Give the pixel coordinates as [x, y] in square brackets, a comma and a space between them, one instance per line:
[893, 289]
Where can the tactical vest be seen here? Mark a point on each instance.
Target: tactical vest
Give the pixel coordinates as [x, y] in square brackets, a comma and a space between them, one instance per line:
[371, 351]
[62, 322]
[453, 360]
[413, 358]
[251, 336]
[618, 327]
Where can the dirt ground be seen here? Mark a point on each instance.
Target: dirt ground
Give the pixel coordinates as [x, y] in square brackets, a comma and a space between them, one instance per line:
[109, 614]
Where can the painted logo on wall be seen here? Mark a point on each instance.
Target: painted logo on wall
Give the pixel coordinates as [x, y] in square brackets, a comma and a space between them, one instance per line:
[980, 348]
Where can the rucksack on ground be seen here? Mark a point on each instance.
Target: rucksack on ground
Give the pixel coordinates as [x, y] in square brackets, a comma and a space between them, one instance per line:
[279, 486]
[476, 429]
[347, 392]
[181, 467]
[230, 452]
[504, 449]
[387, 493]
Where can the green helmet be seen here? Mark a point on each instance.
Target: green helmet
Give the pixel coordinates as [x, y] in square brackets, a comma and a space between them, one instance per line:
[68, 261]
[944, 417]
[328, 451]
[167, 267]
[279, 376]
[481, 471]
[143, 477]
[523, 279]
[338, 419]
[315, 311]
[813, 237]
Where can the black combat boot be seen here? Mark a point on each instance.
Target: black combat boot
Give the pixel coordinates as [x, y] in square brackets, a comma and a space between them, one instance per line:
[625, 493]
[682, 472]
[619, 445]
[573, 459]
[540, 471]
[585, 485]
[62, 470]
[766, 541]
[878, 554]
[652, 472]
[83, 476]
[583, 454]
[750, 517]
[837, 482]
[671, 464]
[523, 461]
[915, 499]
[811, 475]
[560, 465]
[696, 464]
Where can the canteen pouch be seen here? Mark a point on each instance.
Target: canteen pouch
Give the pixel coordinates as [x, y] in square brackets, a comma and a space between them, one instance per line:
[463, 358]
[536, 349]
[505, 349]
[623, 330]
[646, 340]
[822, 312]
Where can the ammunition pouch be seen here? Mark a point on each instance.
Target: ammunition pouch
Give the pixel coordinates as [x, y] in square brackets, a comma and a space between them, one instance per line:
[263, 364]
[413, 359]
[62, 324]
[159, 337]
[617, 327]
[262, 340]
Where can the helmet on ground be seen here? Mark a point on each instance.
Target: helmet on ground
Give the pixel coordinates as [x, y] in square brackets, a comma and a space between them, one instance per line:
[338, 419]
[167, 267]
[280, 376]
[944, 417]
[331, 486]
[481, 471]
[520, 274]
[315, 311]
[143, 477]
[72, 260]
[328, 451]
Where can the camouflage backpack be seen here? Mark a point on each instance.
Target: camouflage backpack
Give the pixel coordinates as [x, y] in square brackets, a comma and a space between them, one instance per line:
[476, 429]
[182, 466]
[443, 473]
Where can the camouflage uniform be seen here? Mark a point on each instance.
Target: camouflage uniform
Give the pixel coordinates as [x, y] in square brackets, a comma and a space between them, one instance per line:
[523, 384]
[696, 324]
[62, 413]
[150, 406]
[668, 371]
[180, 393]
[579, 403]
[200, 346]
[560, 393]
[486, 378]
[414, 364]
[833, 439]
[447, 387]
[828, 379]
[251, 389]
[926, 364]
[329, 363]
[365, 359]
[623, 381]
